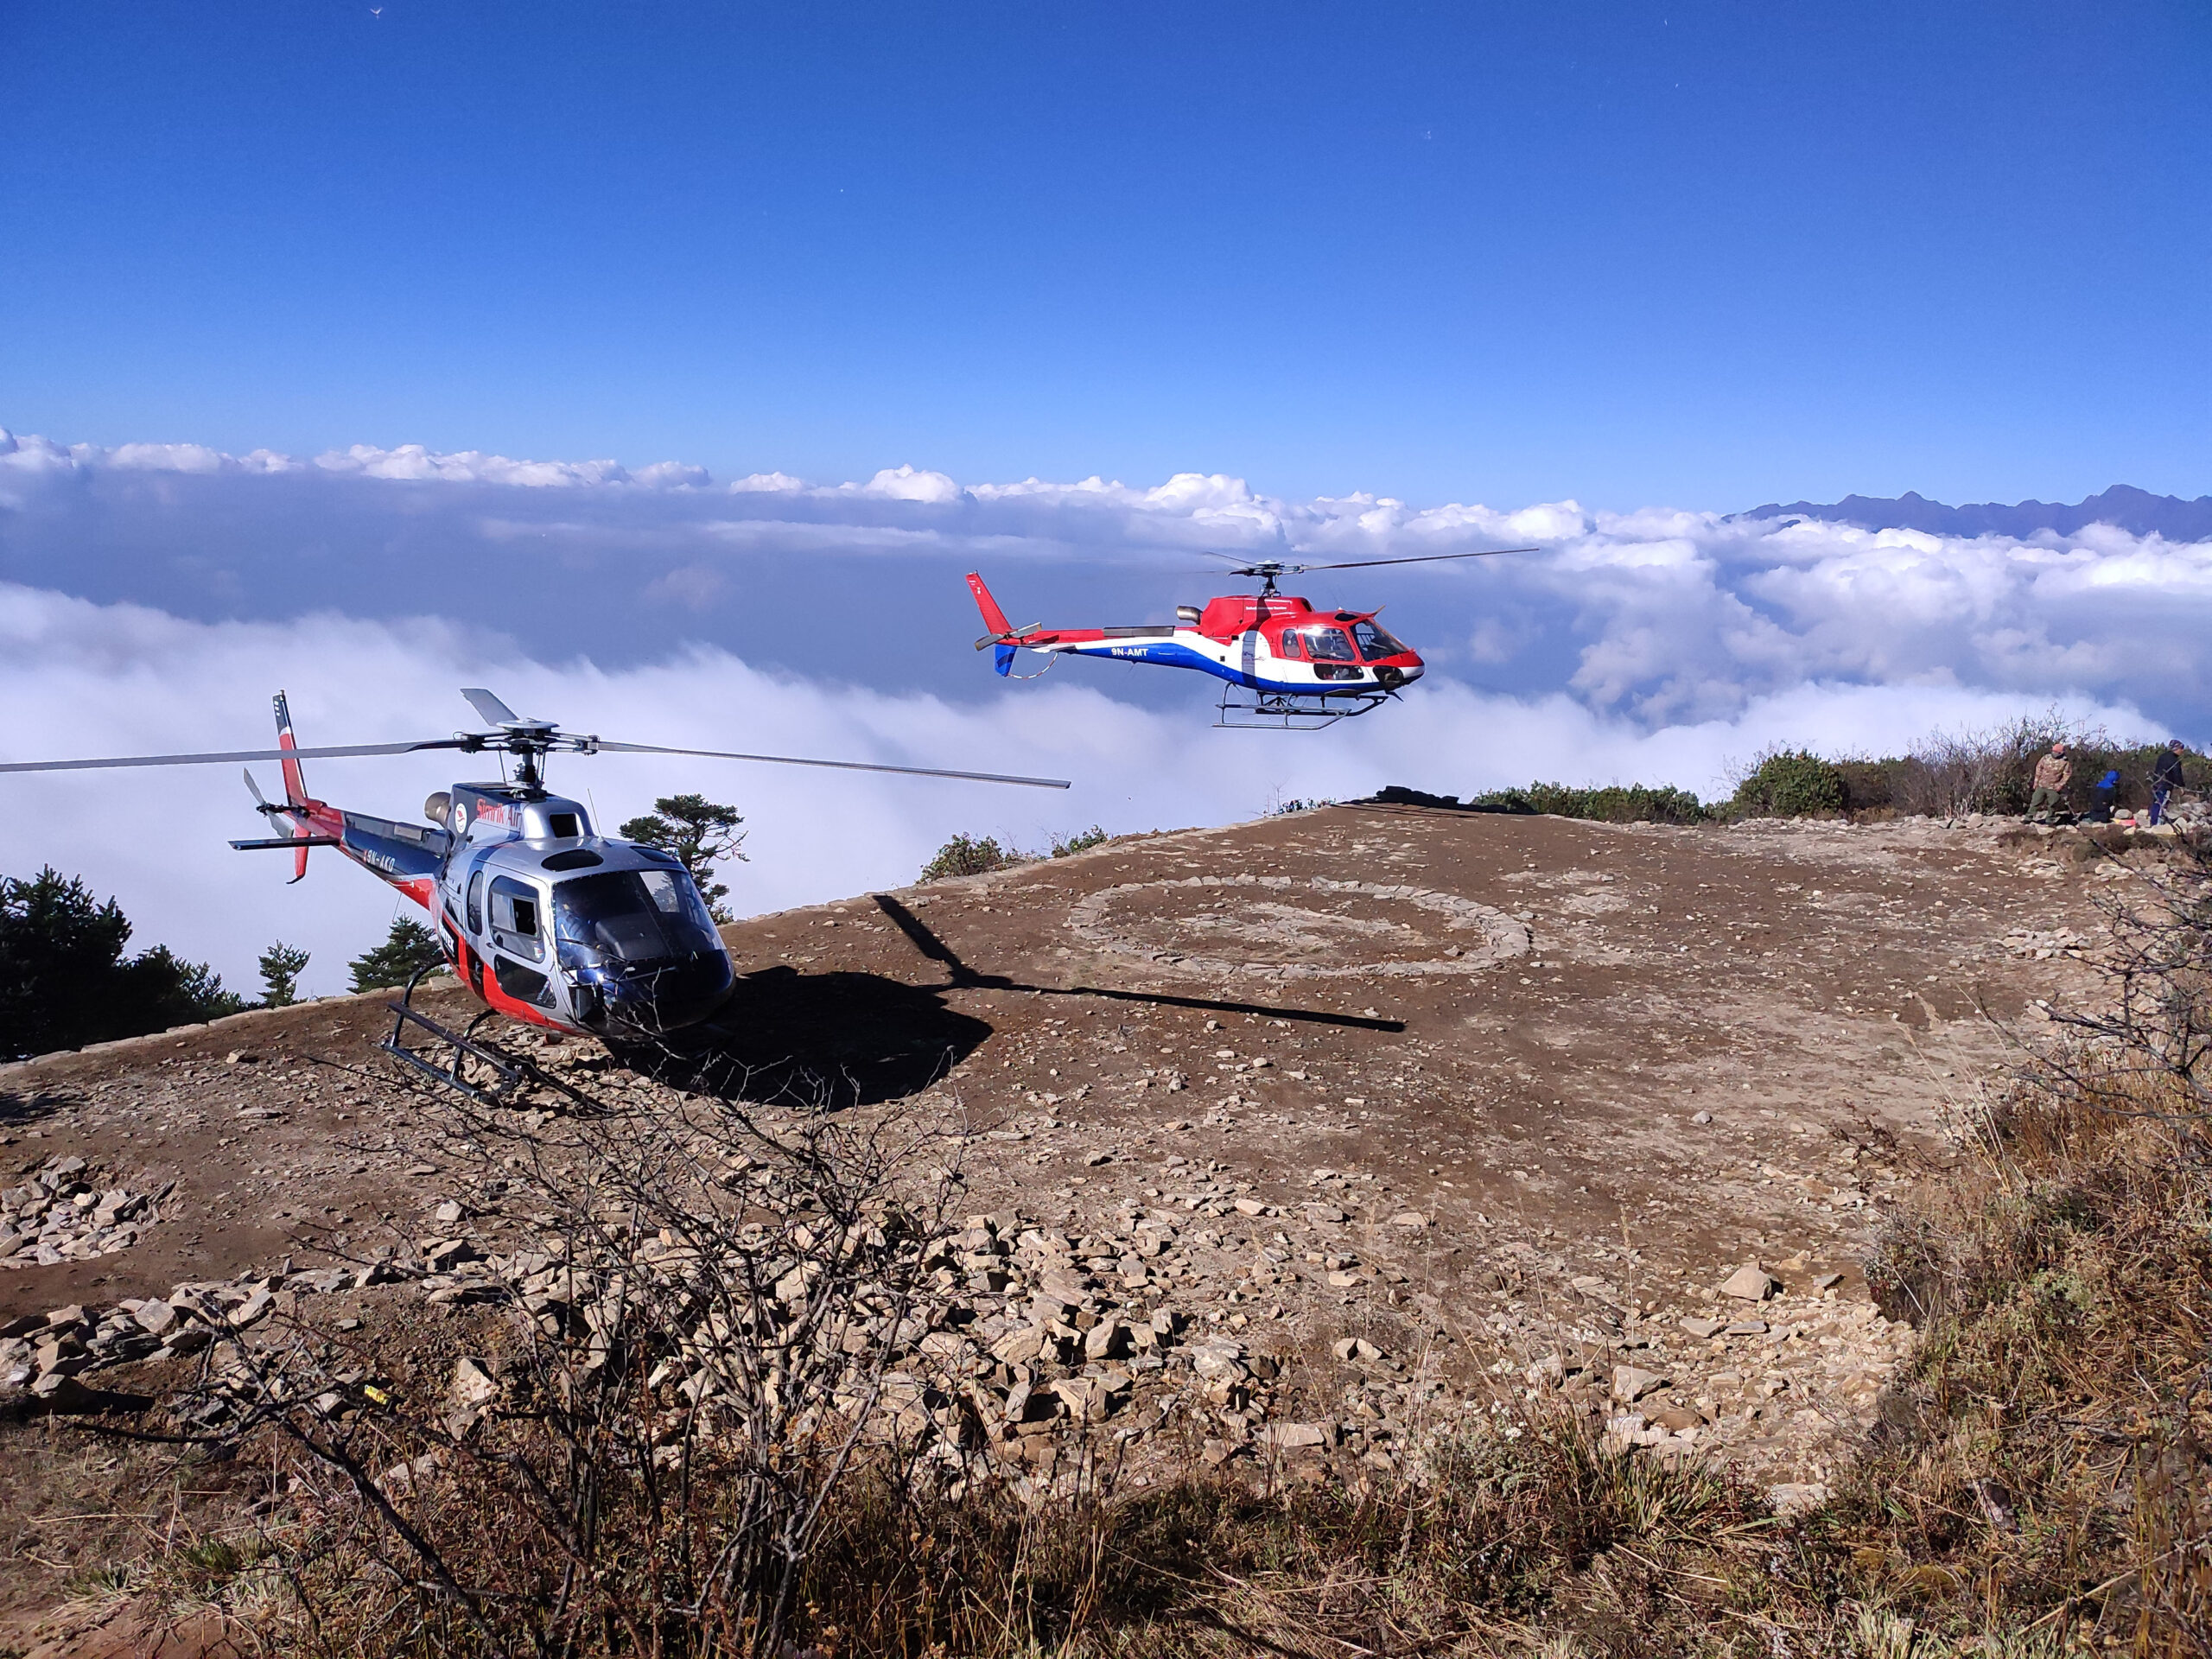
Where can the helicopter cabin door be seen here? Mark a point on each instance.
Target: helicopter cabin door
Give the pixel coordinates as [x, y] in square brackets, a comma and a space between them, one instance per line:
[518, 929]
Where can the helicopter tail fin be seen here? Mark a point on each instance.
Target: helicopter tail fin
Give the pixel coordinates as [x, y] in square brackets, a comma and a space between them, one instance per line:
[296, 782]
[995, 620]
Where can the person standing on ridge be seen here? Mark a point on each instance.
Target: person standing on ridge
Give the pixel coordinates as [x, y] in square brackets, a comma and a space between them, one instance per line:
[2053, 772]
[2165, 777]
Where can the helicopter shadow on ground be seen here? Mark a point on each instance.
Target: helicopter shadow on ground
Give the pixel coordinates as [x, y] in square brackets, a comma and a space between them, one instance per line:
[822, 1040]
[839, 1040]
[962, 977]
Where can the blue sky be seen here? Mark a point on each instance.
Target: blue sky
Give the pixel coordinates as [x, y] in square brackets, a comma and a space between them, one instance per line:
[1705, 255]
[1261, 264]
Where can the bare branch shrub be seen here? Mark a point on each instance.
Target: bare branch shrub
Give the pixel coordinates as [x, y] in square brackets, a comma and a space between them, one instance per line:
[1984, 769]
[2144, 1046]
[656, 1397]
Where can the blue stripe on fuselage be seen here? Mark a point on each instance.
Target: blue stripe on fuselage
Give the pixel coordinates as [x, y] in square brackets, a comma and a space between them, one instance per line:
[1168, 654]
[395, 851]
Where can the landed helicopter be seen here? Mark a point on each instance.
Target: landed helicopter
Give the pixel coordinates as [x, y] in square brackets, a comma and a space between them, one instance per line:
[1285, 665]
[547, 921]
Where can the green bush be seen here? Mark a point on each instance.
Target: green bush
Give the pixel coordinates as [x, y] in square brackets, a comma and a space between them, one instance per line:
[1614, 804]
[1082, 841]
[969, 856]
[1791, 784]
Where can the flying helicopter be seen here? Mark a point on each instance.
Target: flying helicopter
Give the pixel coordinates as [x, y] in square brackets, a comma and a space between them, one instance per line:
[1283, 664]
[547, 921]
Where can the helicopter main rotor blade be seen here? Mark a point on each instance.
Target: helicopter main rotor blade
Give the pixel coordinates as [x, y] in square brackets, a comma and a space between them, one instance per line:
[495, 712]
[836, 766]
[338, 752]
[1418, 558]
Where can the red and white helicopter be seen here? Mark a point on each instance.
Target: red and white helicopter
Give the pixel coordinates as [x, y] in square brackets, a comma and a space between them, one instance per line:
[546, 920]
[1284, 665]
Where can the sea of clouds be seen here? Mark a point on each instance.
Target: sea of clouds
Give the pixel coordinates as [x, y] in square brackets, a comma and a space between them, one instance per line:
[152, 595]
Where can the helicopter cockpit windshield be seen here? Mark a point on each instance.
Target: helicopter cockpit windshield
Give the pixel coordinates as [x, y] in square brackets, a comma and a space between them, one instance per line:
[631, 916]
[1375, 642]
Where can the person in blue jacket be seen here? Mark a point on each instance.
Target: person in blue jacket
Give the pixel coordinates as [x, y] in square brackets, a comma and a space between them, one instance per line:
[2103, 796]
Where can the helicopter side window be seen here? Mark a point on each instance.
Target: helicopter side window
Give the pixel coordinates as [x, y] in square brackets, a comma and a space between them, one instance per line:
[514, 918]
[476, 899]
[1327, 645]
[1375, 642]
[1286, 644]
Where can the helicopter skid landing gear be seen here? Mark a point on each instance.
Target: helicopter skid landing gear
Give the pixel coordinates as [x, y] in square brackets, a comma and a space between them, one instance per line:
[460, 1061]
[1290, 711]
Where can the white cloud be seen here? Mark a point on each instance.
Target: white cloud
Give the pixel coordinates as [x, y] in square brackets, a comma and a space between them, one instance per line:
[904, 484]
[78, 678]
[411, 462]
[162, 590]
[1662, 614]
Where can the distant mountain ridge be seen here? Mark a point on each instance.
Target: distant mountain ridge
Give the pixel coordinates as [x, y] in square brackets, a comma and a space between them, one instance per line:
[2123, 507]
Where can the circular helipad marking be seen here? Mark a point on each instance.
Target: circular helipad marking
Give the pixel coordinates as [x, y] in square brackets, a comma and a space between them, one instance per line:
[1314, 928]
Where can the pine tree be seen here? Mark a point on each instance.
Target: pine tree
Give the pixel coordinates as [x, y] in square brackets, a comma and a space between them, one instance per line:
[701, 833]
[65, 981]
[280, 967]
[407, 949]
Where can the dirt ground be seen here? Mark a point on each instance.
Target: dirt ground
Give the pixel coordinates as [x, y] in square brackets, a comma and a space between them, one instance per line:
[1508, 1098]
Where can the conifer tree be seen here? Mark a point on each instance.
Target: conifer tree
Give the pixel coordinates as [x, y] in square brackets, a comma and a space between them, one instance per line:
[701, 833]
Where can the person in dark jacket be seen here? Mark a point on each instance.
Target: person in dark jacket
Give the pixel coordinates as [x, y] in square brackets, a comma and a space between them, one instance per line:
[2165, 777]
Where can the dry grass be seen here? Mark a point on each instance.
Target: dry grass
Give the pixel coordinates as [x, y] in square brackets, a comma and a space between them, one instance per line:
[2048, 1461]
[2039, 1481]
[1472, 1555]
[1468, 1553]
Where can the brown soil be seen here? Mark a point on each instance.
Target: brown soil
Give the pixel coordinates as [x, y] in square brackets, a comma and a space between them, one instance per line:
[1500, 1103]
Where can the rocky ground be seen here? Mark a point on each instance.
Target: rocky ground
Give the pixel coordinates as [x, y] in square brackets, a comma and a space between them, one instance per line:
[1290, 1140]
